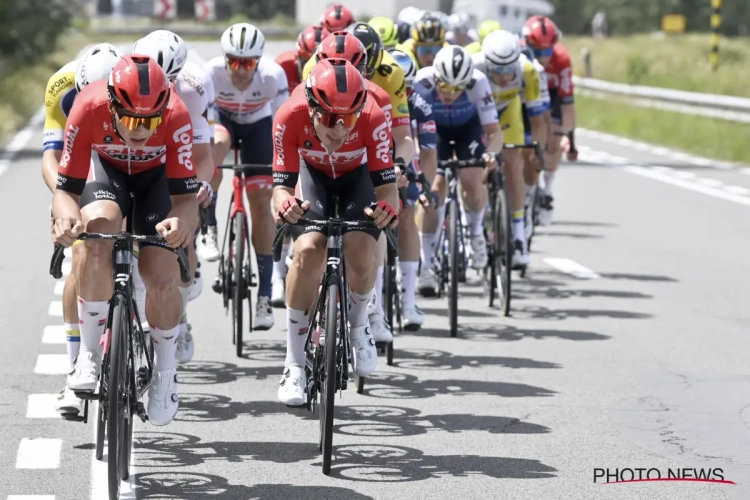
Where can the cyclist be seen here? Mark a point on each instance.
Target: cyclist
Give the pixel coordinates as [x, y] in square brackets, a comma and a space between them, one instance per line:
[344, 153]
[336, 18]
[249, 89]
[62, 89]
[485, 29]
[405, 20]
[197, 93]
[292, 61]
[427, 38]
[425, 131]
[542, 37]
[465, 114]
[386, 30]
[114, 124]
[462, 30]
[383, 71]
[513, 78]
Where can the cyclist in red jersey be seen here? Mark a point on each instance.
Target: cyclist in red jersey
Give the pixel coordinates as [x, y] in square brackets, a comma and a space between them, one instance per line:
[330, 138]
[542, 37]
[136, 134]
[292, 61]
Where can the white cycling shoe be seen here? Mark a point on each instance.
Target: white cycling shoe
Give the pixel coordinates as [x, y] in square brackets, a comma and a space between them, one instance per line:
[546, 210]
[478, 256]
[263, 314]
[67, 403]
[207, 249]
[163, 400]
[197, 287]
[185, 345]
[412, 317]
[379, 328]
[292, 386]
[427, 283]
[364, 352]
[85, 375]
[278, 297]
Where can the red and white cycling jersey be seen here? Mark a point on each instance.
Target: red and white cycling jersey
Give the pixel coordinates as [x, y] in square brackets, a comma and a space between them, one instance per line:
[288, 62]
[294, 141]
[560, 73]
[268, 90]
[196, 90]
[91, 128]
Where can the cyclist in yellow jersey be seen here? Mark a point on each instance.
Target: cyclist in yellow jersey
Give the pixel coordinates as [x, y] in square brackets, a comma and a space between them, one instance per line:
[62, 89]
[485, 29]
[427, 38]
[513, 78]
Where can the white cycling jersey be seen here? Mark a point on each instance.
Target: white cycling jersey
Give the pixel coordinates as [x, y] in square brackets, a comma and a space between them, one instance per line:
[267, 92]
[196, 90]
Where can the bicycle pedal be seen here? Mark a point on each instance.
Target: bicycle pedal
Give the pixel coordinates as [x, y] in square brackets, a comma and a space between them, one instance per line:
[73, 417]
[87, 395]
[140, 411]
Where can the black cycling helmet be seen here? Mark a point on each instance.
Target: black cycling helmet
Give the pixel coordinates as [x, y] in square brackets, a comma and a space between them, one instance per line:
[372, 42]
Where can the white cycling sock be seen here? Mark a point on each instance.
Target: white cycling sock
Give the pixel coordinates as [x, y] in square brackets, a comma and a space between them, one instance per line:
[549, 177]
[279, 268]
[530, 193]
[409, 280]
[73, 343]
[296, 334]
[427, 250]
[165, 348]
[474, 221]
[518, 224]
[377, 292]
[185, 296]
[358, 307]
[92, 319]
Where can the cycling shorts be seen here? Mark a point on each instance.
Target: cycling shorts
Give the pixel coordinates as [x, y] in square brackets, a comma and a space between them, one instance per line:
[468, 140]
[511, 122]
[255, 147]
[526, 124]
[143, 198]
[354, 189]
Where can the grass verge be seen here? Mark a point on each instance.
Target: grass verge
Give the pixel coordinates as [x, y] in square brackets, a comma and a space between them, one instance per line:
[673, 61]
[22, 89]
[706, 137]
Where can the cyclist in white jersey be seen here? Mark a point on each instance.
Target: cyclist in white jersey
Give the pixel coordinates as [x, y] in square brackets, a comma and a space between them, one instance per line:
[195, 89]
[249, 89]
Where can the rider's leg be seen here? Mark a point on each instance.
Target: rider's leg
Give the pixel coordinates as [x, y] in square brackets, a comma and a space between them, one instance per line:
[408, 249]
[381, 331]
[67, 402]
[552, 159]
[208, 249]
[431, 223]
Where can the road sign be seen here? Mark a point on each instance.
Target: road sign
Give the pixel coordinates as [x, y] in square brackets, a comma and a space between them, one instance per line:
[165, 9]
[673, 23]
[205, 10]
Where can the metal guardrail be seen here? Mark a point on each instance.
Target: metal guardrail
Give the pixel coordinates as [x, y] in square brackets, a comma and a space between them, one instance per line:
[695, 103]
[192, 31]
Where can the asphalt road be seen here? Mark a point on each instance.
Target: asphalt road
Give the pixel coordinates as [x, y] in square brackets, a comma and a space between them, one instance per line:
[627, 348]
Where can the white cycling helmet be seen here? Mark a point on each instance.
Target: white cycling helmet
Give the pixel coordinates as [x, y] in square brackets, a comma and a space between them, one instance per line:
[243, 40]
[409, 15]
[96, 64]
[501, 48]
[453, 66]
[166, 48]
[461, 22]
[407, 64]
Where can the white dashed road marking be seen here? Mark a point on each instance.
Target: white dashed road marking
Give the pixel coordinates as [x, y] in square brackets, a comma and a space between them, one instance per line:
[52, 364]
[41, 406]
[54, 334]
[39, 454]
[572, 268]
[59, 285]
[55, 308]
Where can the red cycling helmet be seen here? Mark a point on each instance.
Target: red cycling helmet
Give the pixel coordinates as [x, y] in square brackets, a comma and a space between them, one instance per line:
[138, 85]
[343, 45]
[540, 32]
[337, 91]
[309, 39]
[337, 17]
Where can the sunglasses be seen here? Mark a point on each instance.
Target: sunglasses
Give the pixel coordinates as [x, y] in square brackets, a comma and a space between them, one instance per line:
[237, 63]
[330, 120]
[447, 87]
[497, 69]
[542, 52]
[429, 49]
[132, 122]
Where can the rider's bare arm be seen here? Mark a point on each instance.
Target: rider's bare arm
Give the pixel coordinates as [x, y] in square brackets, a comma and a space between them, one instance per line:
[50, 163]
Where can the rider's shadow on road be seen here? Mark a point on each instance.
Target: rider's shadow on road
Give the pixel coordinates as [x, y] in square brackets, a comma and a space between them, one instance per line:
[483, 332]
[432, 359]
[206, 408]
[189, 486]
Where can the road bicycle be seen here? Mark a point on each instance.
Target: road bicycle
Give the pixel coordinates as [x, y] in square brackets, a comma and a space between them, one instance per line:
[327, 345]
[236, 276]
[127, 360]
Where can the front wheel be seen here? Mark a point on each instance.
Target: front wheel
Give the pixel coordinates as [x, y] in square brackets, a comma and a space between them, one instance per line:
[329, 384]
[238, 280]
[117, 432]
[503, 250]
[453, 251]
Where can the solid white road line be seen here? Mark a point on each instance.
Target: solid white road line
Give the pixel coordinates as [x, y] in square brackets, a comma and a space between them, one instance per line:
[99, 481]
[39, 454]
[59, 285]
[52, 364]
[54, 334]
[55, 308]
[572, 268]
[41, 406]
[20, 140]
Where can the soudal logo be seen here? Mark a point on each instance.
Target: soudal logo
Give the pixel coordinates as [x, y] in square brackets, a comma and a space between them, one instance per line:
[278, 143]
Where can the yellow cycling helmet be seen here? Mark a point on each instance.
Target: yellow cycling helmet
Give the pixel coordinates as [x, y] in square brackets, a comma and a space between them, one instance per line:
[428, 30]
[386, 29]
[488, 27]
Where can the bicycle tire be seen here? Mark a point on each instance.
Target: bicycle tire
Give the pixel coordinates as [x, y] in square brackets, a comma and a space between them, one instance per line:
[453, 252]
[101, 428]
[329, 385]
[503, 250]
[490, 274]
[248, 281]
[534, 216]
[238, 279]
[388, 285]
[116, 377]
